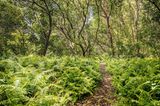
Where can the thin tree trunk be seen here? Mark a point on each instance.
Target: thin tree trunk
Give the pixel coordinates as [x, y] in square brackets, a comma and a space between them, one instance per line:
[136, 25]
[83, 50]
[48, 35]
[110, 35]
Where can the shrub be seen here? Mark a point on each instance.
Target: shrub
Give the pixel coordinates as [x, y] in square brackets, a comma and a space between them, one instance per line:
[137, 81]
[45, 81]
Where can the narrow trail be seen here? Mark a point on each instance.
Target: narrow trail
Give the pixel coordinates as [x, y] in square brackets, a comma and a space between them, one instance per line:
[103, 95]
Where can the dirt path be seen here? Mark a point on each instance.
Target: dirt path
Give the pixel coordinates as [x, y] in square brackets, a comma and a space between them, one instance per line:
[103, 95]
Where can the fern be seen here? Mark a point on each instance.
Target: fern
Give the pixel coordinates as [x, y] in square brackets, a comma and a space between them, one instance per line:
[137, 81]
[45, 81]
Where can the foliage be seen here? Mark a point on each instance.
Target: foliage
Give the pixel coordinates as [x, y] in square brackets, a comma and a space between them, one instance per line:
[10, 22]
[137, 81]
[118, 28]
[45, 81]
[80, 27]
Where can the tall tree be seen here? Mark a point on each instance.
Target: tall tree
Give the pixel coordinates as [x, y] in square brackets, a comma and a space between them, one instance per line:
[106, 9]
[44, 10]
[76, 23]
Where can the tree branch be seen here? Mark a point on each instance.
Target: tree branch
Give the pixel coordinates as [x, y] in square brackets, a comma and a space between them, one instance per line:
[154, 3]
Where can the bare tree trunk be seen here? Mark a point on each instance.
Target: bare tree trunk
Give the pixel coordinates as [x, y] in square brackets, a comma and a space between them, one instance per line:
[49, 30]
[110, 35]
[83, 50]
[136, 25]
[47, 37]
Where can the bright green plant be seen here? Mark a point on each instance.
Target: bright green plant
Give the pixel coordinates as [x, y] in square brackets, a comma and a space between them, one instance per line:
[137, 81]
[46, 81]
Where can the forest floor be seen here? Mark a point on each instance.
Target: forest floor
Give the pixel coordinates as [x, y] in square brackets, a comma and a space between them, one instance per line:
[103, 95]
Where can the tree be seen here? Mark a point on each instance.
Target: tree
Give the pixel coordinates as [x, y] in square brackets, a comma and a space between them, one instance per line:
[77, 24]
[44, 10]
[10, 21]
[106, 9]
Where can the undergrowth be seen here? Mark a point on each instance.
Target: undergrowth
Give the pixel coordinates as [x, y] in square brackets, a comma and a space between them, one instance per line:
[46, 81]
[136, 81]
[59, 81]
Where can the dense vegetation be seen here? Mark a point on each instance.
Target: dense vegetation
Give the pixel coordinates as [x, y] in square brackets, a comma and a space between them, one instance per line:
[50, 51]
[137, 81]
[42, 81]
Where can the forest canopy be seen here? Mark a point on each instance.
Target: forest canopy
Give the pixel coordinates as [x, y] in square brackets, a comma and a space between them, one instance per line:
[80, 27]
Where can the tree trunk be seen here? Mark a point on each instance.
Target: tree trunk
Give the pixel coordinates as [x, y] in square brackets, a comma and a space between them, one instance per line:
[106, 11]
[83, 50]
[110, 35]
[48, 35]
[137, 26]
